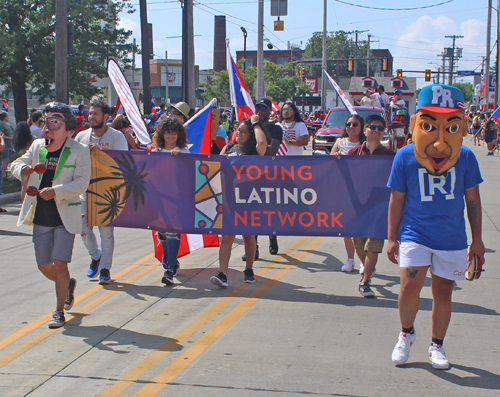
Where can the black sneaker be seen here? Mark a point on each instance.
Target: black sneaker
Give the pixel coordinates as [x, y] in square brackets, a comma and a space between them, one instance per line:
[220, 280]
[244, 257]
[365, 290]
[249, 277]
[273, 245]
[168, 277]
[176, 269]
[93, 268]
[70, 297]
[58, 320]
[104, 277]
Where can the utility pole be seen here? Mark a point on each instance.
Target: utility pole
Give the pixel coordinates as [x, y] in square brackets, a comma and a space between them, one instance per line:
[166, 81]
[146, 78]
[62, 88]
[133, 65]
[188, 82]
[452, 61]
[487, 66]
[357, 32]
[260, 51]
[368, 56]
[323, 62]
[498, 54]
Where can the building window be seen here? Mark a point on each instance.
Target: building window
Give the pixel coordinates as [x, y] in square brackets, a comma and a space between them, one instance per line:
[368, 83]
[397, 83]
[249, 62]
[282, 60]
[267, 59]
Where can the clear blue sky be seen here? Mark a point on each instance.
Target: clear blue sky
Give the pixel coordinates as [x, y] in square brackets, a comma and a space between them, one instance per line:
[414, 37]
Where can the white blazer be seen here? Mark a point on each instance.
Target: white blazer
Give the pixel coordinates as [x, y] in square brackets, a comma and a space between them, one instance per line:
[71, 179]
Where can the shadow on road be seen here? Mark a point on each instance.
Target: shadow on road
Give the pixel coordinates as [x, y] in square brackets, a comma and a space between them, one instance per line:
[477, 378]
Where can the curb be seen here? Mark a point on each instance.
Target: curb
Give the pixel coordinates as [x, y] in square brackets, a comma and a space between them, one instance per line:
[10, 198]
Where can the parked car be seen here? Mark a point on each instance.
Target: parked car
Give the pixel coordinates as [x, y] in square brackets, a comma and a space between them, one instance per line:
[333, 126]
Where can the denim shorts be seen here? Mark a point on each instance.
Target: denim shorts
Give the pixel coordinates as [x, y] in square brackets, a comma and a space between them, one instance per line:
[52, 243]
[7, 153]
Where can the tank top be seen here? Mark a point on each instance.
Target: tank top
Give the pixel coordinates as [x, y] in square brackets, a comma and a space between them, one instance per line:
[345, 145]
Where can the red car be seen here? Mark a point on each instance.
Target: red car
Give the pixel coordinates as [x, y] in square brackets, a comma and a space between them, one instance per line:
[333, 127]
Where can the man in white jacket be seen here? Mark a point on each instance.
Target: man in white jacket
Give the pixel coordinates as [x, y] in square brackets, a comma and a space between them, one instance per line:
[55, 211]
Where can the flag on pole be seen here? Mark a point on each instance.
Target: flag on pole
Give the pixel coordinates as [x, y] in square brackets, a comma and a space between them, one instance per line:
[128, 101]
[341, 94]
[276, 108]
[240, 96]
[496, 115]
[199, 130]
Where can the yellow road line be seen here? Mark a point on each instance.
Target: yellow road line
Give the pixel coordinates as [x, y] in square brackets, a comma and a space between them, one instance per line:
[154, 358]
[185, 359]
[18, 351]
[27, 329]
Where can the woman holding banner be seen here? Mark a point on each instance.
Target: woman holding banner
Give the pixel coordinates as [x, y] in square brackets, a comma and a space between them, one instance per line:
[352, 137]
[251, 140]
[170, 137]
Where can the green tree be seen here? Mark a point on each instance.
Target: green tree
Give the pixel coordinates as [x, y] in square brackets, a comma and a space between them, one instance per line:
[281, 86]
[27, 52]
[467, 89]
[339, 45]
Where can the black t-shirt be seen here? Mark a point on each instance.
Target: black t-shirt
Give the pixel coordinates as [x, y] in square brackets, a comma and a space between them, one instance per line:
[490, 128]
[46, 213]
[275, 132]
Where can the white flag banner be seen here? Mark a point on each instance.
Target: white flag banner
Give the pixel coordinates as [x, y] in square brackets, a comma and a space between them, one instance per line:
[342, 96]
[128, 101]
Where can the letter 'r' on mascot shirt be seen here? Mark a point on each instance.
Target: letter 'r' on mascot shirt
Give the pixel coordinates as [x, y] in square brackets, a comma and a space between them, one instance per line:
[433, 214]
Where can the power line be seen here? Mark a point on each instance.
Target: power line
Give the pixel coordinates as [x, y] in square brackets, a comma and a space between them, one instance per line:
[394, 9]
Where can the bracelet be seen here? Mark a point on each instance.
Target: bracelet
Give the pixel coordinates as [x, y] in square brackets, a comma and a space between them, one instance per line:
[254, 124]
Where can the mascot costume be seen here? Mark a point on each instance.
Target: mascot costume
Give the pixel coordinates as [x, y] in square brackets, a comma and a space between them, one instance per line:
[429, 180]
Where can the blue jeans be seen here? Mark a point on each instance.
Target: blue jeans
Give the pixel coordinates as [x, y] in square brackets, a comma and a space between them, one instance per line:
[170, 250]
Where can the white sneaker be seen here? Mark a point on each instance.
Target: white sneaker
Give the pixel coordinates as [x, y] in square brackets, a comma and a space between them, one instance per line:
[437, 357]
[348, 265]
[362, 269]
[401, 351]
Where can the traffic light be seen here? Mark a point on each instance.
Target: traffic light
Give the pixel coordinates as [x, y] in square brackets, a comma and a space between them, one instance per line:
[427, 75]
[399, 73]
[302, 71]
[350, 65]
[297, 72]
[384, 64]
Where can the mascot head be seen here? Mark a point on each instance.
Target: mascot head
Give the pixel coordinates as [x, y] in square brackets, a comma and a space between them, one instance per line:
[438, 127]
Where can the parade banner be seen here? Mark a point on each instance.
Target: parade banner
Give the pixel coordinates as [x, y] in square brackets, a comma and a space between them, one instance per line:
[240, 195]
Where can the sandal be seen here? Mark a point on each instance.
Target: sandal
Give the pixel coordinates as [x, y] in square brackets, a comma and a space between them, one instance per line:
[3, 210]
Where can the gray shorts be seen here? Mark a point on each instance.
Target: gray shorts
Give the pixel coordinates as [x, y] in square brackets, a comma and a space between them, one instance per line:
[52, 243]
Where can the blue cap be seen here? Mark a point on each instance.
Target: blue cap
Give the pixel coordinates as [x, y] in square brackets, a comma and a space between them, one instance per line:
[441, 98]
[396, 92]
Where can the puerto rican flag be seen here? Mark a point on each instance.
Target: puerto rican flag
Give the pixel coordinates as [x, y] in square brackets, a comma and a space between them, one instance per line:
[496, 115]
[276, 107]
[189, 243]
[240, 96]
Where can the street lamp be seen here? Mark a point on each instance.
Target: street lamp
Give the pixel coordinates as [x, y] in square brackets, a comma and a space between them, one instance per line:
[244, 46]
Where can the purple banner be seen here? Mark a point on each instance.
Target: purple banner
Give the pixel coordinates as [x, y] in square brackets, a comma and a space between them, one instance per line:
[249, 195]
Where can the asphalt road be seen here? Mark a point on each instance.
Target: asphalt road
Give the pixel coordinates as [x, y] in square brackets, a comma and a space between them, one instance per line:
[301, 329]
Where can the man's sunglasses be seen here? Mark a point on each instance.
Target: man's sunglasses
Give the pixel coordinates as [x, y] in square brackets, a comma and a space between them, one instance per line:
[353, 125]
[262, 108]
[52, 123]
[375, 127]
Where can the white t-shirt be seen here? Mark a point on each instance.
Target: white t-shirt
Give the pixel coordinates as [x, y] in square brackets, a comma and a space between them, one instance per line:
[365, 101]
[36, 131]
[345, 145]
[295, 131]
[111, 140]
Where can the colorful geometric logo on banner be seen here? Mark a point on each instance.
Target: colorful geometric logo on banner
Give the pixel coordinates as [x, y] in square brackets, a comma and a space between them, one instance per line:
[208, 197]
